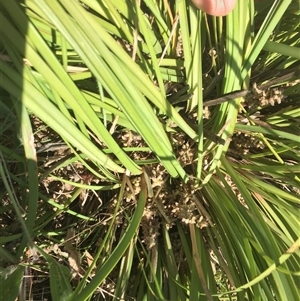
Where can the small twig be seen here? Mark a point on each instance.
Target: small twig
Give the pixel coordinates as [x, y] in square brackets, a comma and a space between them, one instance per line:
[114, 124]
[213, 83]
[51, 147]
[226, 97]
[169, 40]
[242, 93]
[280, 79]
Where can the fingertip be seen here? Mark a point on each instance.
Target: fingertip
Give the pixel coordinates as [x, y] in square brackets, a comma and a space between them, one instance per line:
[216, 8]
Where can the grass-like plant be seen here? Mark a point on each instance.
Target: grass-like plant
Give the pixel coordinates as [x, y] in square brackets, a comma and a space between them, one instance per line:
[149, 151]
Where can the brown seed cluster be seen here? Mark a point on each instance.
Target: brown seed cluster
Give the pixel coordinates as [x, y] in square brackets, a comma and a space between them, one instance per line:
[131, 192]
[184, 148]
[206, 113]
[131, 139]
[235, 190]
[262, 98]
[243, 143]
[150, 227]
[179, 46]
